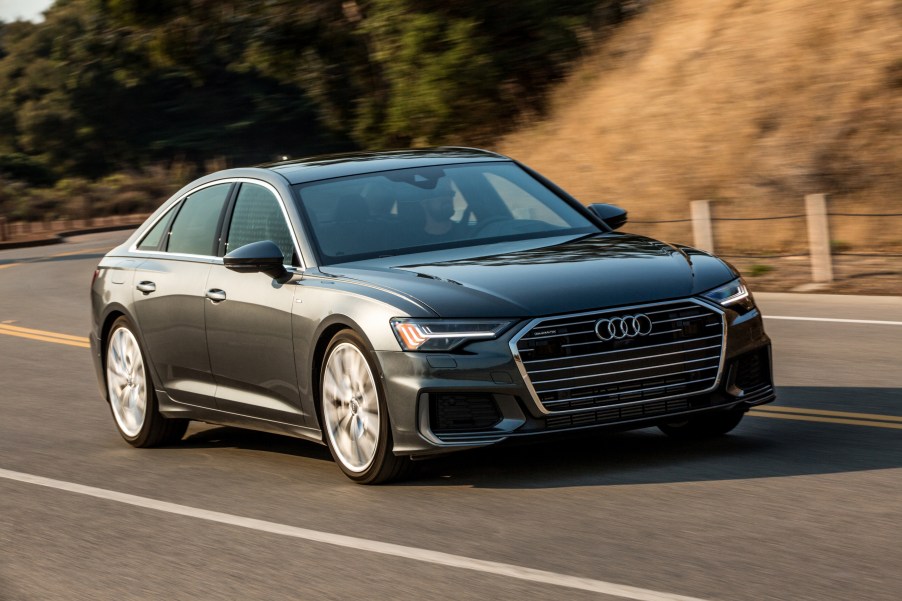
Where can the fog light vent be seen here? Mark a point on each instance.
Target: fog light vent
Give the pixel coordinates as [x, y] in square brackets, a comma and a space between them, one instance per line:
[462, 412]
[752, 369]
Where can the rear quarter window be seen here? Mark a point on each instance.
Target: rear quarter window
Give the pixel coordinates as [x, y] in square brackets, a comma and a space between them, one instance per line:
[152, 240]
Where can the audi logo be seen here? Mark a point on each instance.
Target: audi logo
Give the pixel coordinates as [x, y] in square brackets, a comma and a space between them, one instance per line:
[628, 326]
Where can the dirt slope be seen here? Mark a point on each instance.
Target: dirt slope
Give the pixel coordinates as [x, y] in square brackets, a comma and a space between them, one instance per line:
[753, 103]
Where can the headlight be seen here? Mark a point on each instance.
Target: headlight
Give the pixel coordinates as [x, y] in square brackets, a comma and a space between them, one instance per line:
[734, 293]
[443, 334]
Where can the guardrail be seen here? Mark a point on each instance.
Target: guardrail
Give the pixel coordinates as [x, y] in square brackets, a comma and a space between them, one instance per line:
[818, 227]
[11, 230]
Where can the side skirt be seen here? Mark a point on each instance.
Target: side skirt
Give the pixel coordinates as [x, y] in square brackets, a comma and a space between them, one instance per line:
[175, 409]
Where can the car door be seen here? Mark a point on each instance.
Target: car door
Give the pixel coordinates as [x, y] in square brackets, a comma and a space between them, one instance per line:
[248, 316]
[169, 295]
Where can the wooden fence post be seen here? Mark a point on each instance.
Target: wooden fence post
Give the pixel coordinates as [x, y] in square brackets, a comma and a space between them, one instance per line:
[4, 229]
[701, 225]
[819, 238]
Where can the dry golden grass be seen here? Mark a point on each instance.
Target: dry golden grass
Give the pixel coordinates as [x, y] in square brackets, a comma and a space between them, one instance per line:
[751, 103]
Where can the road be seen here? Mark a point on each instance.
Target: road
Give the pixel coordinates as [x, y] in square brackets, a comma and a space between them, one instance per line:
[802, 501]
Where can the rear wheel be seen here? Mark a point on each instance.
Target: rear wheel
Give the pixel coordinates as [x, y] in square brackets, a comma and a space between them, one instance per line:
[355, 417]
[131, 393]
[706, 425]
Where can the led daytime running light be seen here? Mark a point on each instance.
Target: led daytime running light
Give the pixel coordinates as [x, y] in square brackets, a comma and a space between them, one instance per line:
[729, 294]
[741, 293]
[413, 336]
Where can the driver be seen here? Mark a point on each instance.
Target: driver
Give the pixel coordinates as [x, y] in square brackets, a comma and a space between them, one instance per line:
[439, 207]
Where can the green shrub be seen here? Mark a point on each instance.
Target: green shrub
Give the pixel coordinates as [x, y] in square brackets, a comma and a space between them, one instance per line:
[759, 269]
[839, 246]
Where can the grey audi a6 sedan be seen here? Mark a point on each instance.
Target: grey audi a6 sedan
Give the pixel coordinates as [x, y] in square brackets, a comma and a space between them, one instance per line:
[399, 304]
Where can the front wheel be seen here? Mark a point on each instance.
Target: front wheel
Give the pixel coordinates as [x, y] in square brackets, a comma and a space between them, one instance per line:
[355, 417]
[131, 394]
[706, 425]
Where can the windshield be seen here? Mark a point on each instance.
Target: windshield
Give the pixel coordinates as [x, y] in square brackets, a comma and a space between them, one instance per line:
[424, 208]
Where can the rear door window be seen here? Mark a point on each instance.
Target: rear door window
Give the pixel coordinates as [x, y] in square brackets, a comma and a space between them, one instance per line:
[195, 227]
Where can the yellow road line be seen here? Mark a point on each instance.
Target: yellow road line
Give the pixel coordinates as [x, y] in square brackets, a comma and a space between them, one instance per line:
[829, 420]
[828, 413]
[81, 252]
[44, 336]
[65, 254]
[6, 326]
[778, 412]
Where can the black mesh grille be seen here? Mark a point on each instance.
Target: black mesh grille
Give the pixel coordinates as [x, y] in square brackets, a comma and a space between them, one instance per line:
[751, 373]
[459, 412]
[617, 414]
[752, 370]
[571, 367]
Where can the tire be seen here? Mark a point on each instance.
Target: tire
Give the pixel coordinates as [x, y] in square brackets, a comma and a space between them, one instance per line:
[130, 391]
[355, 420]
[707, 425]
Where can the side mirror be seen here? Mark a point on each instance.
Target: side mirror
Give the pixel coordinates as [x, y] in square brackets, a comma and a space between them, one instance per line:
[263, 256]
[612, 215]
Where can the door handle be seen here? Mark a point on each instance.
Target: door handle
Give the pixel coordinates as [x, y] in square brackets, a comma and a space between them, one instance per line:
[146, 287]
[216, 295]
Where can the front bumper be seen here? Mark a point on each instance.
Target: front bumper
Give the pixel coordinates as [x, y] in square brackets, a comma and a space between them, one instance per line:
[484, 387]
[97, 360]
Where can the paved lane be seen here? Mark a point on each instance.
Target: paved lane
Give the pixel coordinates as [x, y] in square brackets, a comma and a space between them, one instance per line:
[780, 510]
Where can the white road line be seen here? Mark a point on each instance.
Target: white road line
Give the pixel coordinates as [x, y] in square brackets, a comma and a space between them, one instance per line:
[360, 544]
[831, 319]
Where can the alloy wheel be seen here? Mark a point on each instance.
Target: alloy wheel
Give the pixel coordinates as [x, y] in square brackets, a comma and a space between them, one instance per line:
[126, 382]
[351, 407]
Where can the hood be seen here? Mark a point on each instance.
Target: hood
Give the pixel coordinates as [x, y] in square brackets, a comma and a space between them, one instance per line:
[604, 270]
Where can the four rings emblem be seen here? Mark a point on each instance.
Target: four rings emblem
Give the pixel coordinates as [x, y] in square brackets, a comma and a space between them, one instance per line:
[627, 326]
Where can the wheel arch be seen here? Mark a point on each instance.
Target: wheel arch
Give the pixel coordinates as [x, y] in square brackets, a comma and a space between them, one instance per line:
[113, 312]
[324, 335]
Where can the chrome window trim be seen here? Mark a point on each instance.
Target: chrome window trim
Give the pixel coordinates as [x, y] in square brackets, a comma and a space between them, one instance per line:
[518, 360]
[161, 255]
[214, 259]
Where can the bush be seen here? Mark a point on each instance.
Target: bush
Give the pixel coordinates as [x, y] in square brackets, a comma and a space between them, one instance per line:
[759, 269]
[78, 198]
[18, 166]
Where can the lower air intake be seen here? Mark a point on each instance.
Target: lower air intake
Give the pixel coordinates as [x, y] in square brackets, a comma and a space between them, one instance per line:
[462, 413]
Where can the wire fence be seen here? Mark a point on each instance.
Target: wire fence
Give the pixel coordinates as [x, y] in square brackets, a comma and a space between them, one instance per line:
[799, 216]
[772, 255]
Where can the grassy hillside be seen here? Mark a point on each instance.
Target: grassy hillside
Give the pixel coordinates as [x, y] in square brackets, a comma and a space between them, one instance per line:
[752, 103]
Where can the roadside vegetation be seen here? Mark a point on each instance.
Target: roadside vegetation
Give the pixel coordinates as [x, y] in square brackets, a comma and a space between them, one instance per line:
[751, 105]
[107, 106]
[128, 94]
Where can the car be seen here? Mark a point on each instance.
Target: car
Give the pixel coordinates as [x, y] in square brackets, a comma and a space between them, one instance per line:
[397, 305]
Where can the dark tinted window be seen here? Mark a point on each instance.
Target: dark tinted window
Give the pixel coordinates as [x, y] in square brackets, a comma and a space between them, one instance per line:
[258, 216]
[152, 240]
[194, 230]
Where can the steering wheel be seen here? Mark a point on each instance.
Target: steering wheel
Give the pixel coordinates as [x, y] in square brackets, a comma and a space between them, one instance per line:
[491, 220]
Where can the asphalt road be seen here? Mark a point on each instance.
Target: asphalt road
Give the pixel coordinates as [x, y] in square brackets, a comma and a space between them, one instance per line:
[802, 501]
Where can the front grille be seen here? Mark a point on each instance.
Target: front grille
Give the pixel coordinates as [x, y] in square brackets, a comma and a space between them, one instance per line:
[571, 368]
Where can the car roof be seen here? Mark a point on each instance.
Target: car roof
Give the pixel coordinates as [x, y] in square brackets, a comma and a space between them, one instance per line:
[298, 171]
